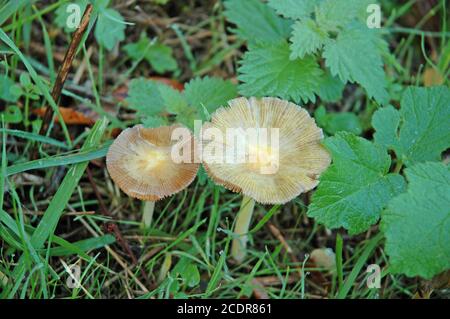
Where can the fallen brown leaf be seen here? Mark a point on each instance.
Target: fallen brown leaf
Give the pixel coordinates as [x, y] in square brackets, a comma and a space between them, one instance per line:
[69, 115]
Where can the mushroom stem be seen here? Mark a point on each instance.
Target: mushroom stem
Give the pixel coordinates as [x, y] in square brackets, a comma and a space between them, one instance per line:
[147, 214]
[239, 245]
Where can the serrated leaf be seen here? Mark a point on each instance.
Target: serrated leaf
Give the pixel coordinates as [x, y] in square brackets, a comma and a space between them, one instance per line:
[419, 131]
[144, 97]
[294, 9]
[355, 57]
[154, 121]
[330, 88]
[332, 15]
[158, 55]
[307, 38]
[256, 21]
[356, 187]
[173, 99]
[110, 28]
[417, 224]
[176, 103]
[209, 93]
[267, 71]
[337, 122]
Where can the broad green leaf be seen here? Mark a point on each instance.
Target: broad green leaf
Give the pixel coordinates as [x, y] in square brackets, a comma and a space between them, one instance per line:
[173, 99]
[355, 56]
[161, 59]
[154, 121]
[175, 103]
[158, 55]
[266, 70]
[294, 9]
[9, 90]
[209, 93]
[332, 15]
[12, 114]
[307, 38]
[356, 187]
[191, 275]
[417, 223]
[110, 28]
[330, 88]
[337, 122]
[256, 21]
[144, 97]
[419, 132]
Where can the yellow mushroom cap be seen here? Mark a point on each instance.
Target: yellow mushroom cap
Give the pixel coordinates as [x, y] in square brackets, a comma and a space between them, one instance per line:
[301, 158]
[140, 162]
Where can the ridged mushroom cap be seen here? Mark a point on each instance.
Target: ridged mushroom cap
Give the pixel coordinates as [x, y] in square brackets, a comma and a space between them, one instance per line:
[301, 158]
[140, 162]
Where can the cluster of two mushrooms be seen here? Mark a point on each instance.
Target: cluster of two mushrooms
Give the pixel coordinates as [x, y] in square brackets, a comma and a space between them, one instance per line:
[141, 163]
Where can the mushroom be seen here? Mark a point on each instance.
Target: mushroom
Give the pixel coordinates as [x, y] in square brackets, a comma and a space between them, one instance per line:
[141, 162]
[272, 173]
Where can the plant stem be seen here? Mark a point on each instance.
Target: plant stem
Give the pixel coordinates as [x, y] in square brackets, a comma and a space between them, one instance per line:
[147, 215]
[339, 267]
[238, 248]
[398, 166]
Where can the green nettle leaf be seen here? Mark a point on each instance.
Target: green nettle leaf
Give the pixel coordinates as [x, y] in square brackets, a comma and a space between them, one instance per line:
[356, 187]
[330, 88]
[209, 93]
[419, 131]
[176, 103]
[110, 28]
[172, 99]
[355, 57]
[256, 21]
[417, 224]
[337, 122]
[158, 55]
[154, 121]
[145, 98]
[294, 9]
[9, 90]
[332, 15]
[307, 38]
[201, 95]
[266, 70]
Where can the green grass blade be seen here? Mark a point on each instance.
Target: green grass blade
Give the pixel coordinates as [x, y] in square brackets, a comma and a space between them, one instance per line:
[10, 8]
[34, 137]
[37, 79]
[86, 154]
[371, 245]
[80, 247]
[51, 216]
[339, 267]
[48, 223]
[265, 219]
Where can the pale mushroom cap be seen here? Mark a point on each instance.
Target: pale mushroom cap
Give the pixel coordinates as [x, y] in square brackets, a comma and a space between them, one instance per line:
[140, 162]
[301, 157]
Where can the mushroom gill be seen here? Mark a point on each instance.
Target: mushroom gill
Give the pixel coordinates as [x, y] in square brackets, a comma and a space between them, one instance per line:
[140, 162]
[300, 158]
